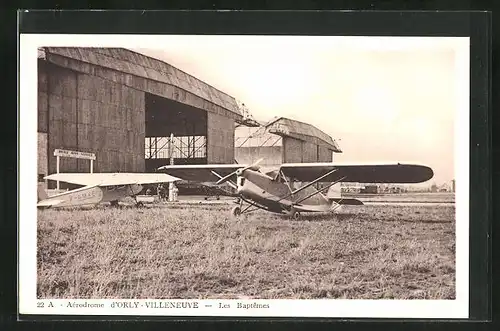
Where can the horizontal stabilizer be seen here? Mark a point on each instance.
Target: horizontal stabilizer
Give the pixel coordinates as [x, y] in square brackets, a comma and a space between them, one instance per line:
[349, 202]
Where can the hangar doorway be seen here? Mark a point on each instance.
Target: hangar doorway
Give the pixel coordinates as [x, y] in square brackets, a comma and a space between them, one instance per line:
[188, 125]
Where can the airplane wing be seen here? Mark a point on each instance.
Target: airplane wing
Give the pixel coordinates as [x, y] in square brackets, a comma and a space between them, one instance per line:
[201, 172]
[379, 173]
[111, 179]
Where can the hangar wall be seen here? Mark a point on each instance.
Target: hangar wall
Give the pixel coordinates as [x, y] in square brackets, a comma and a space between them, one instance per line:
[248, 155]
[324, 154]
[292, 150]
[42, 156]
[297, 151]
[309, 152]
[90, 114]
[220, 139]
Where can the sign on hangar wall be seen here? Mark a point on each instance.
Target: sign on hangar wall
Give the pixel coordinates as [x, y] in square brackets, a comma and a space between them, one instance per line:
[74, 154]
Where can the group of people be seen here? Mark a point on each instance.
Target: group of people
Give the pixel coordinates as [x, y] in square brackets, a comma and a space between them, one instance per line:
[162, 192]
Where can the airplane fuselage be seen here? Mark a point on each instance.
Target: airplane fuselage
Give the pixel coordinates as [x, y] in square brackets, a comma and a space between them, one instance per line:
[93, 195]
[275, 194]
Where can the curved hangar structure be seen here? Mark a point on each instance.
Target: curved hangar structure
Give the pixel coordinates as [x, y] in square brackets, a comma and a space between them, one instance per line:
[124, 106]
[283, 140]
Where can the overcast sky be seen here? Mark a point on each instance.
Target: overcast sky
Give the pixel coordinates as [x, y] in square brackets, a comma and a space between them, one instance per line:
[381, 100]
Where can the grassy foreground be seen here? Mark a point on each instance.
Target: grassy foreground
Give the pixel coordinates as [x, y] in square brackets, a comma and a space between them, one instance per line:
[367, 252]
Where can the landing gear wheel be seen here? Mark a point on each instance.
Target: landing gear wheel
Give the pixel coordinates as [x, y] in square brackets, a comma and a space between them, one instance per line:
[139, 204]
[236, 211]
[294, 215]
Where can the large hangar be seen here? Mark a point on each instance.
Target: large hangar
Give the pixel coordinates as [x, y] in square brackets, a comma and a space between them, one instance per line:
[124, 106]
[284, 140]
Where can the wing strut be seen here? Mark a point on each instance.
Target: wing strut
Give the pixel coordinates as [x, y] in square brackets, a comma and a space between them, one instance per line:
[250, 204]
[319, 191]
[315, 181]
[230, 182]
[310, 184]
[282, 175]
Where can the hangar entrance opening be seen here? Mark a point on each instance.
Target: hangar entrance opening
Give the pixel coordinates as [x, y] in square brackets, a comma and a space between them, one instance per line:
[188, 126]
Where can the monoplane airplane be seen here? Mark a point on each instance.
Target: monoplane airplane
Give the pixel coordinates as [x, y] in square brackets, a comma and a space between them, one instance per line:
[275, 190]
[98, 188]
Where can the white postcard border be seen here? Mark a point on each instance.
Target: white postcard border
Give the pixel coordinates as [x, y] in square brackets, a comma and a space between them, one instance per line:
[28, 98]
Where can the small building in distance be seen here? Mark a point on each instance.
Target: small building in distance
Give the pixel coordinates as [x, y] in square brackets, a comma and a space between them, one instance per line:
[283, 140]
[434, 188]
[369, 189]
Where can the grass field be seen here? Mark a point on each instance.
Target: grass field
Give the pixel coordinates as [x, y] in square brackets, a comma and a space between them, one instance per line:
[367, 252]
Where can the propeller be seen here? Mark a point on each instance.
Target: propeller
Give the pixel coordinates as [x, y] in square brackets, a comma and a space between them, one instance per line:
[238, 172]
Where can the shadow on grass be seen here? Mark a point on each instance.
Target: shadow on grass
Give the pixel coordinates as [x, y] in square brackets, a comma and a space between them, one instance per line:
[321, 217]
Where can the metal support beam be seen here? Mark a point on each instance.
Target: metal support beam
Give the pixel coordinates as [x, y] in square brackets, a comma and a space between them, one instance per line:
[233, 185]
[318, 191]
[314, 182]
[307, 185]
[57, 169]
[171, 187]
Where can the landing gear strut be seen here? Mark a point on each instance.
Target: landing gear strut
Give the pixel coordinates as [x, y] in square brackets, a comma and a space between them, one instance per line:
[138, 204]
[240, 210]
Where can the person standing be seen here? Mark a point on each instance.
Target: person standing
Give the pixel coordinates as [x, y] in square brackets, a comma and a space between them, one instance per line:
[158, 191]
[175, 192]
[163, 193]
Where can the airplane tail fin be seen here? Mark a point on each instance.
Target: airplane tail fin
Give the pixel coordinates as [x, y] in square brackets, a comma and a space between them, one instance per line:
[334, 192]
[42, 194]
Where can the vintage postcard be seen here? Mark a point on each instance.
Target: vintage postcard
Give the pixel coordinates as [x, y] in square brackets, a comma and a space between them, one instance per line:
[262, 176]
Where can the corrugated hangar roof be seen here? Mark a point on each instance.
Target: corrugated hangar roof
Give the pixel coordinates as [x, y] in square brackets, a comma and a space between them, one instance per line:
[127, 61]
[289, 128]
